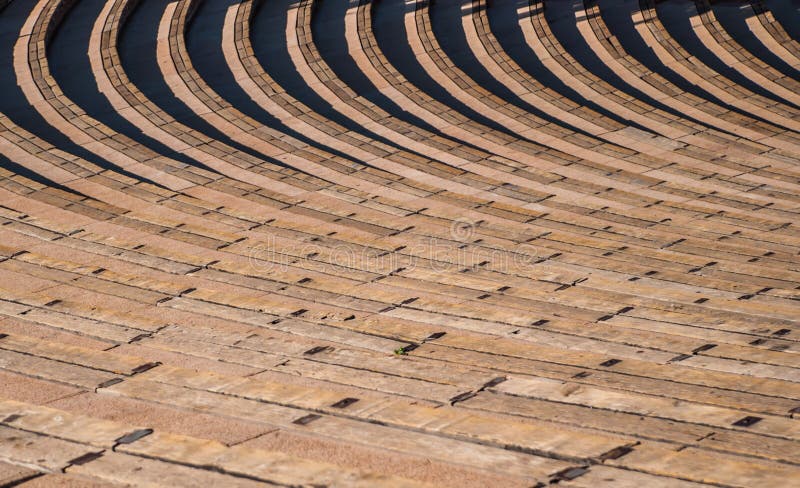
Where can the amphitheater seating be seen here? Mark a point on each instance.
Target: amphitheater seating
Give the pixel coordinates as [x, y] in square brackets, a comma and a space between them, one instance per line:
[387, 249]
[771, 35]
[522, 92]
[692, 68]
[733, 54]
[635, 73]
[775, 28]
